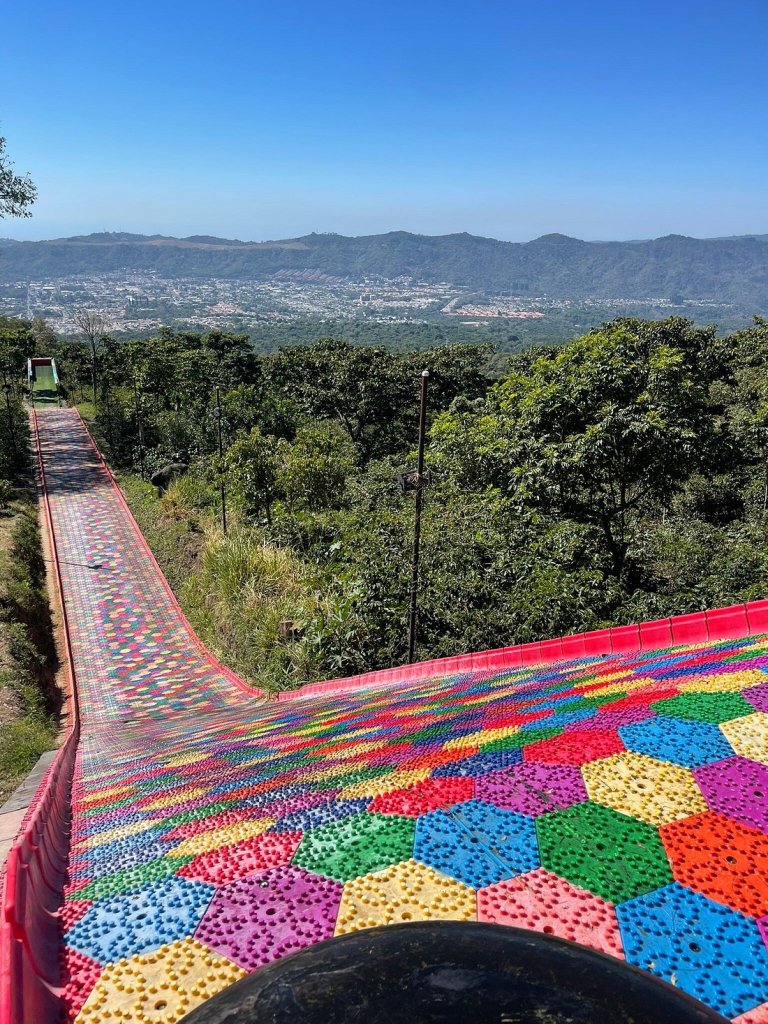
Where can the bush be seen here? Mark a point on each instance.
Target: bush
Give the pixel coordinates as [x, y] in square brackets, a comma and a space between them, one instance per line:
[242, 593]
[27, 653]
[6, 495]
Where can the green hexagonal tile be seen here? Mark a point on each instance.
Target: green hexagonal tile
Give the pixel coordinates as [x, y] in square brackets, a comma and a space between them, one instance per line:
[601, 850]
[705, 707]
[356, 845]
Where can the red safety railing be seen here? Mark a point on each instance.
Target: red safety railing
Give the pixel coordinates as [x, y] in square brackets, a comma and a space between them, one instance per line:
[698, 627]
[34, 872]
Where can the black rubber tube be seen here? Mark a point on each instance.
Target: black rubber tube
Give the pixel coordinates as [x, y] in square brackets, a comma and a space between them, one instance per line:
[450, 972]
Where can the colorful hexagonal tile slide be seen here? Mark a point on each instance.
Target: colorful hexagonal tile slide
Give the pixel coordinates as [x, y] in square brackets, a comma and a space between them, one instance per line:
[617, 800]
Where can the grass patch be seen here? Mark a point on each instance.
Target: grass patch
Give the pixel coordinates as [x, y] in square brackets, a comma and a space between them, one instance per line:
[257, 606]
[87, 410]
[172, 526]
[29, 699]
[22, 742]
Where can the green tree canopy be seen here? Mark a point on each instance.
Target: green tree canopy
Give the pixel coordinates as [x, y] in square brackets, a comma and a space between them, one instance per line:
[590, 433]
[17, 192]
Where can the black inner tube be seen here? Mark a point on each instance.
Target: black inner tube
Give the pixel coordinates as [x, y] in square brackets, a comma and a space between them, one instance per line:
[450, 972]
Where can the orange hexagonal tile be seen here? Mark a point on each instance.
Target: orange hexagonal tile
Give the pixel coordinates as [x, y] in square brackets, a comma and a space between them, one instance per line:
[720, 858]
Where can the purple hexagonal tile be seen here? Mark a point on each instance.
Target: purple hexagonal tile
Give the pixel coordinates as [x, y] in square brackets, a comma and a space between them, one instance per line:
[757, 696]
[532, 788]
[260, 918]
[612, 719]
[737, 787]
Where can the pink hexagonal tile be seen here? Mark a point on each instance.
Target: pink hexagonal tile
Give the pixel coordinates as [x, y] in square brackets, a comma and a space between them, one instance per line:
[546, 903]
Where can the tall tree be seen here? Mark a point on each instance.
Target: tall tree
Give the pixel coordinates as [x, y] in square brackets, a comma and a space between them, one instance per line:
[93, 325]
[594, 432]
[17, 192]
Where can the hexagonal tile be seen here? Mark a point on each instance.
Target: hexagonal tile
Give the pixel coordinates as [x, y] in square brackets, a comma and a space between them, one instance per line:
[357, 845]
[759, 1015]
[120, 926]
[598, 849]
[738, 788]
[723, 682]
[749, 736]
[575, 747]
[704, 707]
[757, 696]
[687, 743]
[214, 838]
[638, 785]
[720, 858]
[533, 788]
[710, 951]
[228, 863]
[546, 903]
[260, 918]
[158, 987]
[476, 843]
[78, 974]
[403, 892]
[426, 796]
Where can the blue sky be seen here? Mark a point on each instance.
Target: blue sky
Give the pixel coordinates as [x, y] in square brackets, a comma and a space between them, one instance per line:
[597, 118]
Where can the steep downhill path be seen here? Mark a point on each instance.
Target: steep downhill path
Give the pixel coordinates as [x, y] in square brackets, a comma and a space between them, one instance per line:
[618, 801]
[135, 658]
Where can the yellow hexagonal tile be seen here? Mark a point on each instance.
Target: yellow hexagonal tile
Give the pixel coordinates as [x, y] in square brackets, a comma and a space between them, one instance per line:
[474, 739]
[226, 836]
[749, 735]
[383, 784]
[190, 758]
[347, 753]
[179, 797]
[158, 987]
[100, 796]
[640, 786]
[408, 891]
[726, 682]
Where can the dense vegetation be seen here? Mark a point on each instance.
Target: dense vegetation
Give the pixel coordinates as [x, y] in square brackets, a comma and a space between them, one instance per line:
[621, 477]
[505, 334]
[735, 270]
[28, 697]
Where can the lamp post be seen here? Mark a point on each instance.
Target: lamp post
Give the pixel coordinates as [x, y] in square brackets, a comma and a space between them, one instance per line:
[217, 416]
[108, 411]
[416, 481]
[139, 426]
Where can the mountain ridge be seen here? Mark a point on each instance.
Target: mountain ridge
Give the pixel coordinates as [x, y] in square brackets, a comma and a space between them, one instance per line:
[730, 269]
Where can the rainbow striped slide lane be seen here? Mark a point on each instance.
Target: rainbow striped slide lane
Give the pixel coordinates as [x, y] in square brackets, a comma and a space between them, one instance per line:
[611, 789]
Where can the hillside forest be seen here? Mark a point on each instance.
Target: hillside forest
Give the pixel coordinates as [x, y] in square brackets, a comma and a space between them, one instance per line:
[620, 477]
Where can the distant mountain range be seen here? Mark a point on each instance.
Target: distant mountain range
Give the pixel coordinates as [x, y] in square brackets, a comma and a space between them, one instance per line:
[728, 270]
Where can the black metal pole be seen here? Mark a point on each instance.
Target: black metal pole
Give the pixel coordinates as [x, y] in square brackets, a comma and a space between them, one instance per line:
[108, 411]
[221, 460]
[414, 595]
[139, 427]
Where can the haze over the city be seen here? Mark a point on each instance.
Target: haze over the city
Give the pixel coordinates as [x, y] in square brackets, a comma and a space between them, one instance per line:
[599, 120]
